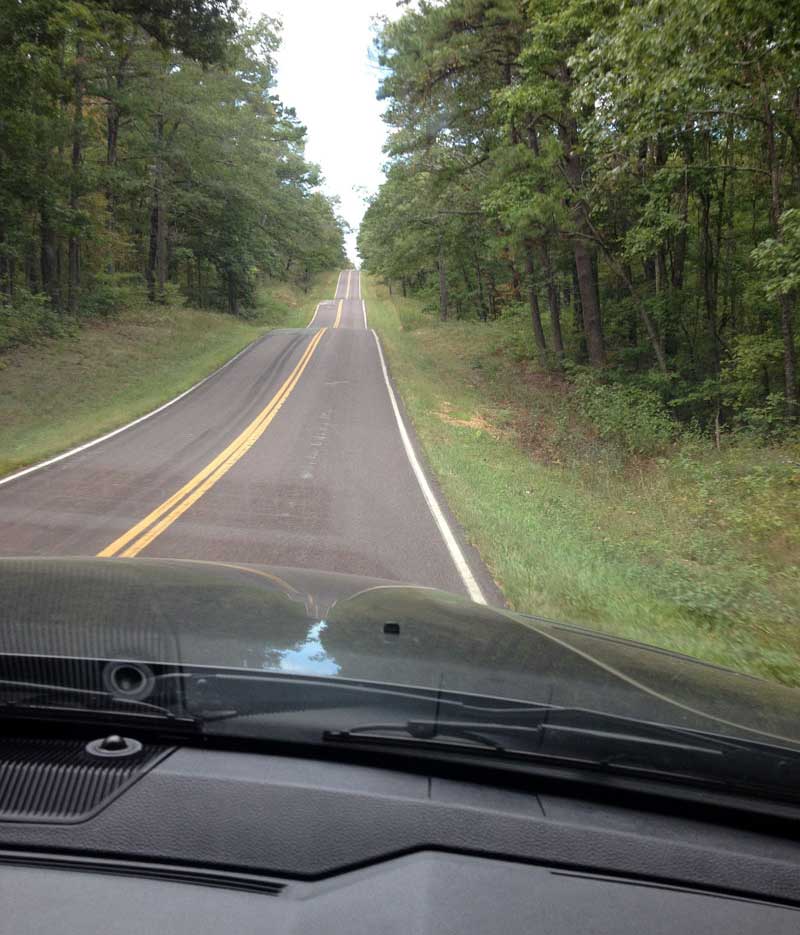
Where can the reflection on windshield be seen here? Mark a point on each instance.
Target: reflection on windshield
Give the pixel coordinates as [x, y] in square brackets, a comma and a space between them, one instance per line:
[306, 658]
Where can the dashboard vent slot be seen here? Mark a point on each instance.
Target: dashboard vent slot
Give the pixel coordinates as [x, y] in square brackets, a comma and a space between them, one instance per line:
[58, 781]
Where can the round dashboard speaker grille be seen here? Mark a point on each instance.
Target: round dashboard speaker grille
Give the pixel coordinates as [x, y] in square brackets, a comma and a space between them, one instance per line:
[132, 681]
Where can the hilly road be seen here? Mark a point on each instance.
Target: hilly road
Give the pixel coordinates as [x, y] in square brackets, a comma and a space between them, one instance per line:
[292, 454]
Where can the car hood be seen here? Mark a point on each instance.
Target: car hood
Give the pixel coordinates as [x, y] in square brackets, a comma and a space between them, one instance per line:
[339, 626]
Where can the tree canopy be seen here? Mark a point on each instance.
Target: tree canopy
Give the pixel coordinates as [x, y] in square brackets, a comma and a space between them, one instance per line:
[628, 174]
[144, 141]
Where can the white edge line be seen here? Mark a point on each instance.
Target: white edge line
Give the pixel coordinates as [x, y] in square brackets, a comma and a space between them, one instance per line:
[123, 428]
[314, 315]
[450, 541]
[364, 310]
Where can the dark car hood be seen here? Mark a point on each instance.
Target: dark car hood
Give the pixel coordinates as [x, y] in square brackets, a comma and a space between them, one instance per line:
[322, 624]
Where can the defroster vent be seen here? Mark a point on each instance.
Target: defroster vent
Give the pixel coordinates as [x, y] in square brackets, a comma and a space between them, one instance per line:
[52, 780]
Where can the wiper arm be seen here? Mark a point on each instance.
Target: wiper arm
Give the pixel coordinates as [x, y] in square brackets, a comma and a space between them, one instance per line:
[44, 693]
[618, 746]
[487, 734]
[423, 731]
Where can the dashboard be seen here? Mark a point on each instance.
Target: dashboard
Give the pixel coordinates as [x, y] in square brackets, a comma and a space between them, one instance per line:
[205, 840]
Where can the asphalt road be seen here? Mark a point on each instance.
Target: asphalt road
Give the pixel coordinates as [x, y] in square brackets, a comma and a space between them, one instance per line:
[290, 455]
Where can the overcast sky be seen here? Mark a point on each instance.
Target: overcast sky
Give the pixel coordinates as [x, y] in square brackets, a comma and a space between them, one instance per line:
[325, 73]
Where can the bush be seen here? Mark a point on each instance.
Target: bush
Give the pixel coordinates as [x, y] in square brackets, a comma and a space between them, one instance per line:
[631, 417]
[755, 364]
[516, 338]
[28, 320]
[113, 293]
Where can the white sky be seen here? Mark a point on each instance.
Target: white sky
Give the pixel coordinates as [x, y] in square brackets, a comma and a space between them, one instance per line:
[325, 73]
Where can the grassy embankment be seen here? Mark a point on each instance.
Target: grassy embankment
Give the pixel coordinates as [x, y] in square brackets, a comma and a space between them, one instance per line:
[65, 391]
[697, 550]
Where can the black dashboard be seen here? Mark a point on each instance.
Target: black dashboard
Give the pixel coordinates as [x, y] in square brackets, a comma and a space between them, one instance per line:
[206, 840]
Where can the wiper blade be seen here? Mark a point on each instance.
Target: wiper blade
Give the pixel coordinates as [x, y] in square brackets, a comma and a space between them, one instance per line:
[620, 746]
[487, 734]
[42, 695]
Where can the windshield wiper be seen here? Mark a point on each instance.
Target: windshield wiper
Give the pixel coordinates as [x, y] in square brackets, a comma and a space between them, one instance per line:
[42, 695]
[487, 734]
[604, 742]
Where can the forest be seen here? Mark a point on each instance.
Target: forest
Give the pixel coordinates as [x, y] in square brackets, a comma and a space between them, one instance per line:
[145, 157]
[621, 178]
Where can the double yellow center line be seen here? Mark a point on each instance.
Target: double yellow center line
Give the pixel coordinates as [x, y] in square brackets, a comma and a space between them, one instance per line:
[339, 314]
[162, 517]
[349, 293]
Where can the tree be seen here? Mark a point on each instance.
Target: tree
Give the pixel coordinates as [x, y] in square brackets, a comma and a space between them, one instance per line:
[145, 140]
[631, 167]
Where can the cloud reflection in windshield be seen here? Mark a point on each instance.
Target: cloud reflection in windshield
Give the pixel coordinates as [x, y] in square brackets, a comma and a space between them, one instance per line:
[308, 657]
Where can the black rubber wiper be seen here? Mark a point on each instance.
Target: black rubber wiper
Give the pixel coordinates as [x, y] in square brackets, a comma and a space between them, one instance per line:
[487, 734]
[44, 696]
[603, 742]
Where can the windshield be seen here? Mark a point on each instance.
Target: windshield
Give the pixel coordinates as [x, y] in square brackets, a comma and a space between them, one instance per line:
[310, 658]
[445, 399]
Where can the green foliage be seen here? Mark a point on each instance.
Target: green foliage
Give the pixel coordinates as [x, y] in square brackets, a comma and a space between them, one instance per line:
[779, 259]
[748, 372]
[620, 175]
[633, 418]
[113, 293]
[144, 142]
[515, 340]
[29, 320]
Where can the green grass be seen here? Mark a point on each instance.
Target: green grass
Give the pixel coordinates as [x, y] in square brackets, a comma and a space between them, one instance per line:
[697, 551]
[68, 390]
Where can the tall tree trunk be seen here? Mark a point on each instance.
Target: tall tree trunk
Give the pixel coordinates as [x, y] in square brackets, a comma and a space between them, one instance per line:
[481, 296]
[443, 295]
[492, 296]
[233, 293]
[162, 260]
[113, 117]
[33, 268]
[681, 238]
[787, 300]
[467, 286]
[553, 300]
[677, 257]
[157, 248]
[584, 259]
[74, 248]
[10, 276]
[547, 266]
[49, 257]
[533, 300]
[708, 278]
[5, 275]
[590, 304]
[515, 280]
[649, 325]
